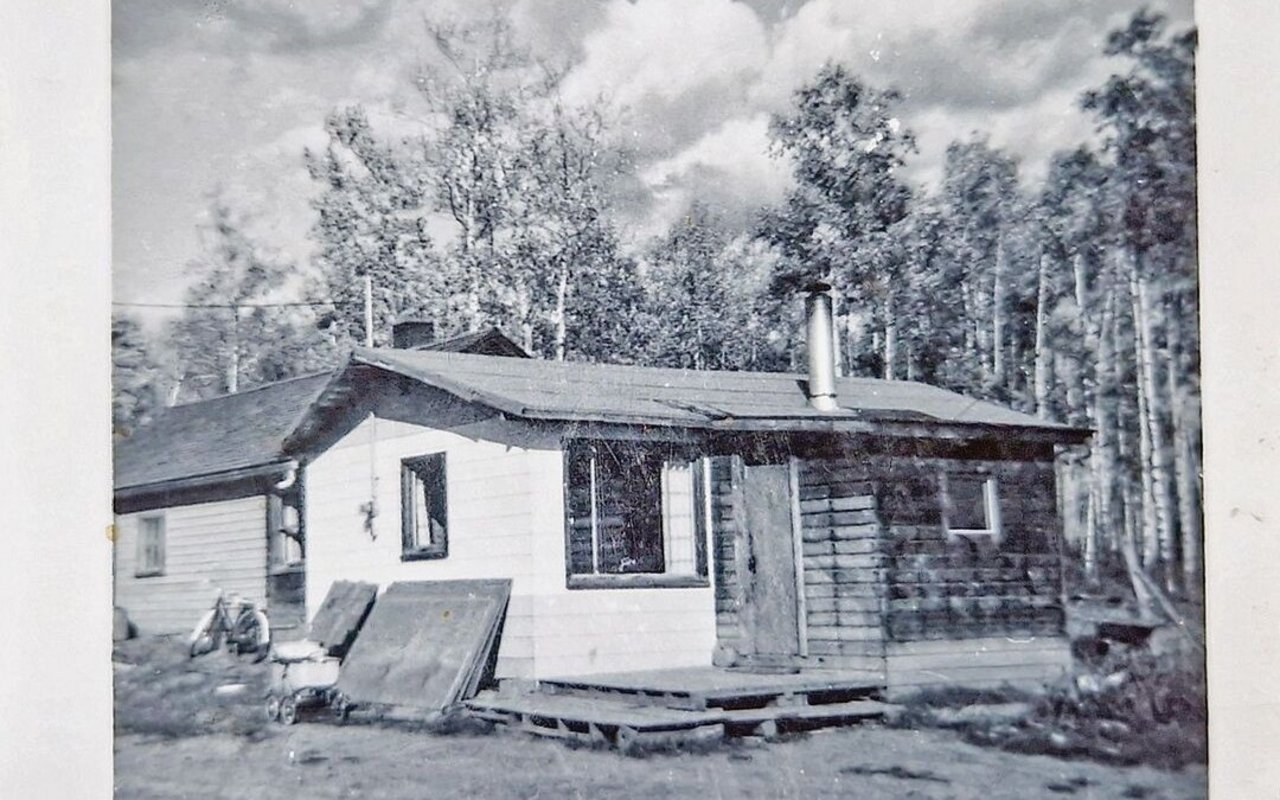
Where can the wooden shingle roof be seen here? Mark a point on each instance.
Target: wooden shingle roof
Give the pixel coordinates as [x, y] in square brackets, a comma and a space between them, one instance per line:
[567, 391]
[219, 435]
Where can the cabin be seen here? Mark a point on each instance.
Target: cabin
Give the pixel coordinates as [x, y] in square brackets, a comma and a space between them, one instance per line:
[660, 519]
[206, 500]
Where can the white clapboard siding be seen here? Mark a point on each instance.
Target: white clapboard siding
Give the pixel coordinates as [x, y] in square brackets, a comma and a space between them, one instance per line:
[505, 520]
[594, 631]
[208, 547]
[489, 518]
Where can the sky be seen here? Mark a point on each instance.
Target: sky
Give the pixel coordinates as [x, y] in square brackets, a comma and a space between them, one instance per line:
[223, 96]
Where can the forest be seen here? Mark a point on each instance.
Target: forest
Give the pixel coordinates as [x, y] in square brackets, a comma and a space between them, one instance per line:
[1072, 297]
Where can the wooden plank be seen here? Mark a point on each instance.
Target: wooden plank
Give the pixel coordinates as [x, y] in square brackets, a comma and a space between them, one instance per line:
[850, 532]
[422, 641]
[772, 600]
[857, 546]
[798, 559]
[827, 504]
[986, 644]
[835, 519]
[834, 633]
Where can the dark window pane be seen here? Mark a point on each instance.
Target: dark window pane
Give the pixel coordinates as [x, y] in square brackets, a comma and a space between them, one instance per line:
[425, 505]
[629, 508]
[967, 509]
[578, 508]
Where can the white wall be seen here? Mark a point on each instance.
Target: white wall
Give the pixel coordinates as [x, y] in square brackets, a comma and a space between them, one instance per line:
[592, 631]
[506, 520]
[208, 546]
[489, 518]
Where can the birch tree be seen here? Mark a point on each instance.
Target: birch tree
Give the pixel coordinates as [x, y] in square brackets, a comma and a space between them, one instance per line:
[846, 148]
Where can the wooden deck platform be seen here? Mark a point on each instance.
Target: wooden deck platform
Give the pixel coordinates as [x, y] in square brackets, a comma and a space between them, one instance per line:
[712, 687]
[627, 709]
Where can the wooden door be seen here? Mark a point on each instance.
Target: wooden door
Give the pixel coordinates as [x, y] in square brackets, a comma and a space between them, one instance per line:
[770, 610]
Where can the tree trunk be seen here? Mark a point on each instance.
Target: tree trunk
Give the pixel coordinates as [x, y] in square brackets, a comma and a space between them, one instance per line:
[1142, 367]
[562, 298]
[890, 338]
[233, 353]
[1133, 566]
[1103, 519]
[1187, 486]
[1156, 483]
[997, 315]
[1043, 355]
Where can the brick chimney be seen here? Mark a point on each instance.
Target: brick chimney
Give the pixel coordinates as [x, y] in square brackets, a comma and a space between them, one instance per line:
[409, 334]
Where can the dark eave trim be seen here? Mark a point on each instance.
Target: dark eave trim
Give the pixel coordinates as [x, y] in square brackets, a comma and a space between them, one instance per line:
[271, 470]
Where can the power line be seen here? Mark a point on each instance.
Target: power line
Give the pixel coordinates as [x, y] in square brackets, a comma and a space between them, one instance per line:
[297, 304]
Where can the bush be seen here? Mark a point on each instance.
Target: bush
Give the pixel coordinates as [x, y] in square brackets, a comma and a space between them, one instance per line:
[1127, 706]
[1133, 707]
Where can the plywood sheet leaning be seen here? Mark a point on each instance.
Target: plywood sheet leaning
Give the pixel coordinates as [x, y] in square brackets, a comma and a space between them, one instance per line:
[340, 616]
[426, 644]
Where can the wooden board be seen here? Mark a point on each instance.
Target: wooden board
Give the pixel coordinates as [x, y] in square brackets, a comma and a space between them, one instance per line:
[770, 597]
[340, 616]
[423, 641]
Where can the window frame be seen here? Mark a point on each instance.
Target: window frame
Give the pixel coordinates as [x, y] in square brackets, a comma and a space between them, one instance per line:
[990, 504]
[142, 568]
[278, 543]
[410, 473]
[701, 518]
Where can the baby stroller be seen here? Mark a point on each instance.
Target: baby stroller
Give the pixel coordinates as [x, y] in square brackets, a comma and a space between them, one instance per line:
[304, 672]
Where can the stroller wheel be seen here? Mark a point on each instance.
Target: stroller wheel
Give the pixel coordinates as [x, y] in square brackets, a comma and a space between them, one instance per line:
[341, 707]
[288, 710]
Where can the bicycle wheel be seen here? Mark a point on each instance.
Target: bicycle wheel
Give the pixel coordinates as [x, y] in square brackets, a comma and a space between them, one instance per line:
[207, 635]
[252, 634]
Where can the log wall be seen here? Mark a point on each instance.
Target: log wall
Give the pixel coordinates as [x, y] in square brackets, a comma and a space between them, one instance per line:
[964, 587]
[846, 560]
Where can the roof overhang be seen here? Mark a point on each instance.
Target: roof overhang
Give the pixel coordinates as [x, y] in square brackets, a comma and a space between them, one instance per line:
[234, 481]
[846, 421]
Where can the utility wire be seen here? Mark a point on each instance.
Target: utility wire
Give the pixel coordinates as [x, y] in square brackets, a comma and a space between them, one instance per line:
[297, 304]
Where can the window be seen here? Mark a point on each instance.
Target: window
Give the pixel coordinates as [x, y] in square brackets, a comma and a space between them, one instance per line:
[424, 524]
[150, 546]
[636, 515]
[285, 536]
[972, 505]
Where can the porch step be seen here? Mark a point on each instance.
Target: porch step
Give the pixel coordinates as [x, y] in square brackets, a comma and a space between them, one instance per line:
[720, 689]
[624, 724]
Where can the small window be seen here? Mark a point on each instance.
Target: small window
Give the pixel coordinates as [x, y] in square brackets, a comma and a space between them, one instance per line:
[636, 515]
[972, 505]
[150, 546]
[424, 518]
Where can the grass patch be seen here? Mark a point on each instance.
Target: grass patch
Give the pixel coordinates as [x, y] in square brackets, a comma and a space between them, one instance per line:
[160, 691]
[901, 773]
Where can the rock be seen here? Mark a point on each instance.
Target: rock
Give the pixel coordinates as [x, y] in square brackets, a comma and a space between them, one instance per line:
[228, 689]
[121, 627]
[1113, 729]
[982, 715]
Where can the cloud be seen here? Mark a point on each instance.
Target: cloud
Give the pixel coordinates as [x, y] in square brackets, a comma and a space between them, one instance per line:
[229, 91]
[729, 169]
[679, 67]
[283, 26]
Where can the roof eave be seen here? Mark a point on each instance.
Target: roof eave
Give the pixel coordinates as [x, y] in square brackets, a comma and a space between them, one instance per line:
[206, 480]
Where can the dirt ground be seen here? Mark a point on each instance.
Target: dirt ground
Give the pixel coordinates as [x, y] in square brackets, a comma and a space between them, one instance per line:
[179, 736]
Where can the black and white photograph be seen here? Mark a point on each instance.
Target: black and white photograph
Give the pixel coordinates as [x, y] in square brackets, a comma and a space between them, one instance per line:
[647, 398]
